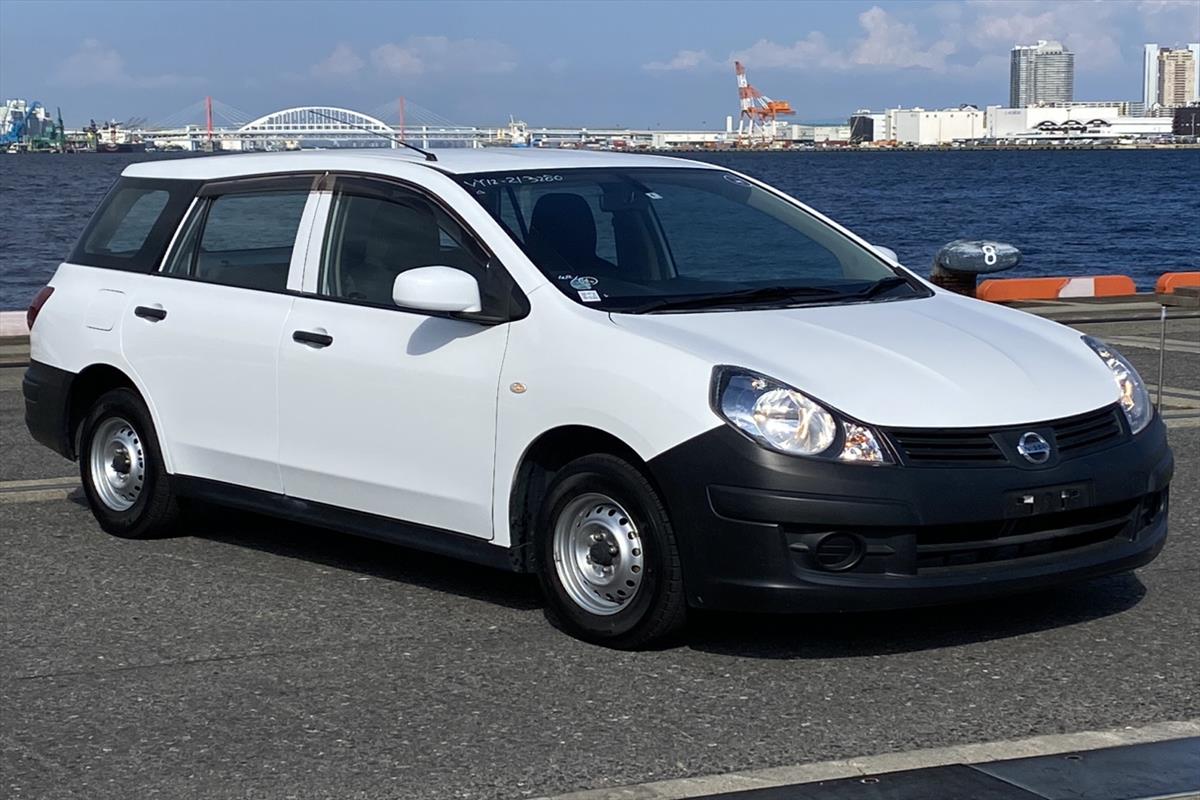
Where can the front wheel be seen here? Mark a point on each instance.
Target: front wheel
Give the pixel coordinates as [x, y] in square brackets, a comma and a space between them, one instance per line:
[126, 483]
[609, 564]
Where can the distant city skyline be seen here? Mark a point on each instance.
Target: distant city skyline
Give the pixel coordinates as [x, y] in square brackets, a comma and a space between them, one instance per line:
[640, 65]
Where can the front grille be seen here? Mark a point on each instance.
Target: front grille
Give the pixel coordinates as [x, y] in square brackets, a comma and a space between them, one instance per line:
[948, 447]
[1087, 430]
[982, 447]
[948, 546]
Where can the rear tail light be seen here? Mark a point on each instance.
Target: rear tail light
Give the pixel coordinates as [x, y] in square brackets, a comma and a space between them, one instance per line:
[39, 300]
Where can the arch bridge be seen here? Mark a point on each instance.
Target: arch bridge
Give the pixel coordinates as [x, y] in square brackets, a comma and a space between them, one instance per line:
[317, 121]
[334, 124]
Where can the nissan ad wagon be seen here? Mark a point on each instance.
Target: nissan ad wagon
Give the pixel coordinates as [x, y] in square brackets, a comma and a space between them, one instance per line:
[655, 383]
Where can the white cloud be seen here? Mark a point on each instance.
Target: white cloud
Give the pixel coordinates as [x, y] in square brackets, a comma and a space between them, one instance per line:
[1175, 20]
[1170, 6]
[683, 60]
[887, 42]
[892, 43]
[1091, 30]
[96, 64]
[424, 54]
[998, 30]
[392, 59]
[969, 37]
[811, 51]
[416, 55]
[341, 63]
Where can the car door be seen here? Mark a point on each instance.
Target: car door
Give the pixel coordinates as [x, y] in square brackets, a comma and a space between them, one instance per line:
[387, 410]
[204, 331]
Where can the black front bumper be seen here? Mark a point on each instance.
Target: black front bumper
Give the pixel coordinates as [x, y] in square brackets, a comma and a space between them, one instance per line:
[754, 527]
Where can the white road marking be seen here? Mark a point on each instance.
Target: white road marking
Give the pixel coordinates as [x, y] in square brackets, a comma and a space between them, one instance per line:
[1177, 391]
[1151, 343]
[892, 762]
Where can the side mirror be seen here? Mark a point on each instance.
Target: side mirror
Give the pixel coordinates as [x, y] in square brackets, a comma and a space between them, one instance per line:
[886, 252]
[436, 289]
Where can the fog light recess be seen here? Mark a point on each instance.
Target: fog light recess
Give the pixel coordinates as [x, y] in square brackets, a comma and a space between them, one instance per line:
[839, 551]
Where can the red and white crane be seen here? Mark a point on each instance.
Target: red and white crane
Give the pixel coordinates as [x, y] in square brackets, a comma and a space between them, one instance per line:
[758, 110]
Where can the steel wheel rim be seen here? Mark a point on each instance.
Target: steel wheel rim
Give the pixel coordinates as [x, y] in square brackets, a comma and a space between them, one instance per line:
[118, 464]
[598, 554]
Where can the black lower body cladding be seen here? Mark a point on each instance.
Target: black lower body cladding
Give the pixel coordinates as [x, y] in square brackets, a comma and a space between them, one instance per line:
[47, 393]
[759, 530]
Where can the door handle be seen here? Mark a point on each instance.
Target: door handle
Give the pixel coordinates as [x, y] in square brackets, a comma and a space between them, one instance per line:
[152, 313]
[312, 338]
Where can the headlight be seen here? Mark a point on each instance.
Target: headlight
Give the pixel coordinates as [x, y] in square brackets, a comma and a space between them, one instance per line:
[786, 420]
[1135, 400]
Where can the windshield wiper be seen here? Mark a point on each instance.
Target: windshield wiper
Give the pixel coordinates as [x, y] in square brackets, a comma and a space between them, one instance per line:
[879, 287]
[769, 294]
[762, 294]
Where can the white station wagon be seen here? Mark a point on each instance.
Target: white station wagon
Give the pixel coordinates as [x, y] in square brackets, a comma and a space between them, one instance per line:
[657, 384]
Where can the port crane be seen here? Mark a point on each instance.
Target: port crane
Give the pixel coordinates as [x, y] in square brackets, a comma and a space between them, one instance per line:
[21, 124]
[758, 111]
[18, 123]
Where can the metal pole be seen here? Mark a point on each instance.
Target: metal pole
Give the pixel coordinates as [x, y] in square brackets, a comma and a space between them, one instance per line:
[1162, 353]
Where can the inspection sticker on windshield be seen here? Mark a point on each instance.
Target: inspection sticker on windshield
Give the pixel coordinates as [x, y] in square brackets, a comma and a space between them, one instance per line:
[590, 297]
[583, 282]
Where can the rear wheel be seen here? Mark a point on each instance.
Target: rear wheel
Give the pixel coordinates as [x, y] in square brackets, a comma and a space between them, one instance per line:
[609, 564]
[121, 466]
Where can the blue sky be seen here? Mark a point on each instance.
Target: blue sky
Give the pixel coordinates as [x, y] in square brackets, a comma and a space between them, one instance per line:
[643, 64]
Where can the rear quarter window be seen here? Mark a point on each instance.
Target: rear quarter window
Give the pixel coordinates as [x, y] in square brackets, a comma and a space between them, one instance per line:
[134, 224]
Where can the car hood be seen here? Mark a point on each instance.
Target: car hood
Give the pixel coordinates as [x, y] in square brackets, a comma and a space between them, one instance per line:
[941, 361]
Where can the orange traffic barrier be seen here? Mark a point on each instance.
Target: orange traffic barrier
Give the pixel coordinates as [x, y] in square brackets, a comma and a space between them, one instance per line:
[1168, 282]
[1000, 290]
[1004, 290]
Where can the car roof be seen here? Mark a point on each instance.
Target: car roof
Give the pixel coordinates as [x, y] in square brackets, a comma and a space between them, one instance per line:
[455, 161]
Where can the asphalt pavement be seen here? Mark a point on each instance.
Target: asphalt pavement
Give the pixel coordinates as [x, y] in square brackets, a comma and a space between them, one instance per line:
[252, 658]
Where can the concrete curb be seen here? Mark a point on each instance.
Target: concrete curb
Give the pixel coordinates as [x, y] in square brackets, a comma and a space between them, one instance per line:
[37, 490]
[890, 762]
[12, 323]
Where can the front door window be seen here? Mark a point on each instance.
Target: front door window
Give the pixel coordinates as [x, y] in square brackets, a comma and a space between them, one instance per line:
[378, 230]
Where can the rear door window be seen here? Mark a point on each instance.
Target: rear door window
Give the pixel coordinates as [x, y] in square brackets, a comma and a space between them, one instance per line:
[242, 239]
[134, 223]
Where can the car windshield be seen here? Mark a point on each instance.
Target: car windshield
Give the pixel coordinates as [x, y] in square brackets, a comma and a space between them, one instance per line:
[675, 239]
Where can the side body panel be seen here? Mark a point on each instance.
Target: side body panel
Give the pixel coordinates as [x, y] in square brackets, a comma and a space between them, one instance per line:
[396, 417]
[579, 369]
[67, 338]
[210, 366]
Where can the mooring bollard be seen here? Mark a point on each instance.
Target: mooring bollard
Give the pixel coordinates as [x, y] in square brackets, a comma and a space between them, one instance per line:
[958, 265]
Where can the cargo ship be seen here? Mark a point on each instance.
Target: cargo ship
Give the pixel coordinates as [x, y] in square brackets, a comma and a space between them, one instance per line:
[112, 138]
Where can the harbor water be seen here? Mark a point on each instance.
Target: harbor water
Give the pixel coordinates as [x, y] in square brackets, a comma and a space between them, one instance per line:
[1132, 212]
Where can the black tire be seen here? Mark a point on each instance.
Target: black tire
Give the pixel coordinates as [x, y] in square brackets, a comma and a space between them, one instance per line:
[155, 510]
[658, 608]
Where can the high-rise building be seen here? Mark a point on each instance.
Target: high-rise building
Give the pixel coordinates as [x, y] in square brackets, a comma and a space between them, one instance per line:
[1041, 73]
[1170, 76]
[1176, 77]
